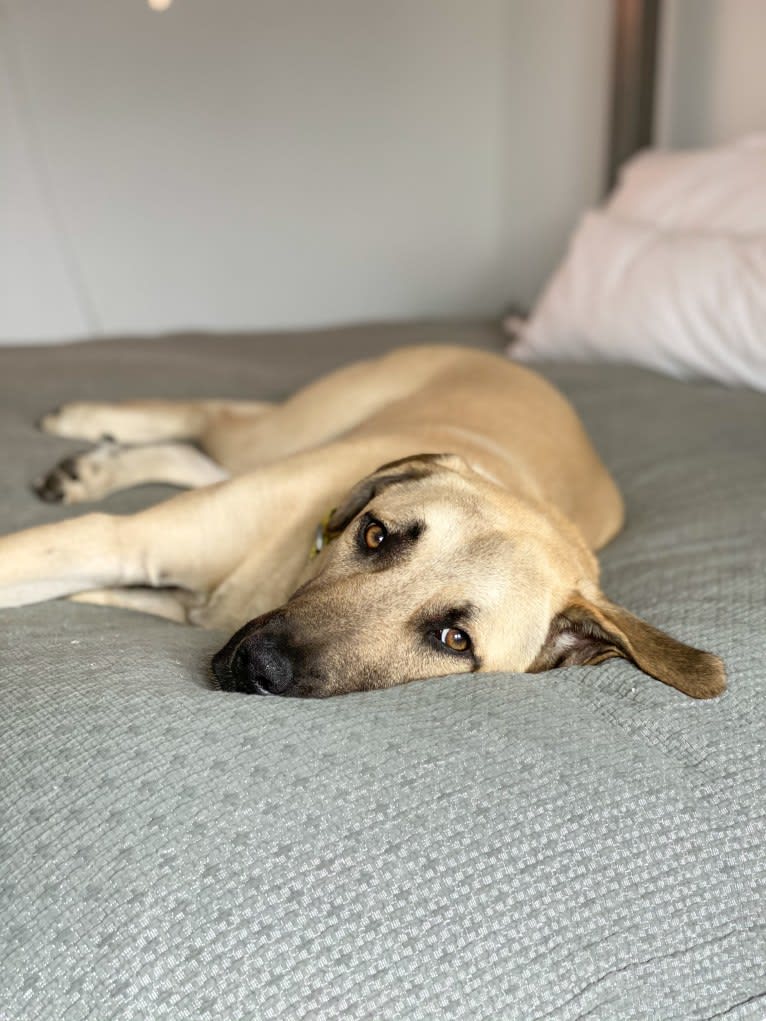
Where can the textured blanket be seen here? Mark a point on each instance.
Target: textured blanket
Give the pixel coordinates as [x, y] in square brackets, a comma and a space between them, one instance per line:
[586, 843]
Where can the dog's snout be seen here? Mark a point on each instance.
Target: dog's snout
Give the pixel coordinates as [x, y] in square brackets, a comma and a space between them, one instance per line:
[262, 667]
[258, 666]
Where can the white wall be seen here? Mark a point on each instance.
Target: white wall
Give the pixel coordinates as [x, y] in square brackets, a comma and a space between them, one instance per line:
[274, 163]
[713, 71]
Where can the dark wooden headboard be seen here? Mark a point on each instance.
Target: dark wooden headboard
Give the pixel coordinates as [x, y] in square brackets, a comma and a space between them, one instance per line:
[634, 72]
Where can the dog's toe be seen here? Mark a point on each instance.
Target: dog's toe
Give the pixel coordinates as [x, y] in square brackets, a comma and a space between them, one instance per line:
[50, 488]
[69, 468]
[80, 477]
[56, 486]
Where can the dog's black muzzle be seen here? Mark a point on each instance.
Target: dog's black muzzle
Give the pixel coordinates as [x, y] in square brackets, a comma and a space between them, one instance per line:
[257, 660]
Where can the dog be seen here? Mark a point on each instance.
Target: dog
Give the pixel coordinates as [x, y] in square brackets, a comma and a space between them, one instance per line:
[429, 512]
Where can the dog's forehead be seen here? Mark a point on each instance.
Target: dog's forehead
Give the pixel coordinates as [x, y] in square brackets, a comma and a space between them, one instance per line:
[464, 539]
[455, 510]
[441, 499]
[479, 541]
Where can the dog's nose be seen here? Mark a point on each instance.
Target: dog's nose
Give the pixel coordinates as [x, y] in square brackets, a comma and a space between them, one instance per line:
[258, 667]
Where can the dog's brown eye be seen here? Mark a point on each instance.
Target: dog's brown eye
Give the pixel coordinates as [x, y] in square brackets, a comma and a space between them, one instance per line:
[455, 639]
[374, 535]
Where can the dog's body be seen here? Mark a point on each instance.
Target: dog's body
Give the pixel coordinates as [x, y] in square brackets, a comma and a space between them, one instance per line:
[481, 524]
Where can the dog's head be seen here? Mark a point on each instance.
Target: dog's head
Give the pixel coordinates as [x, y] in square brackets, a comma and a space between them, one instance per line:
[435, 569]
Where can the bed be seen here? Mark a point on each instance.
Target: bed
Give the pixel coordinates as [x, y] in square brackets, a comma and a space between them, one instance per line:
[582, 843]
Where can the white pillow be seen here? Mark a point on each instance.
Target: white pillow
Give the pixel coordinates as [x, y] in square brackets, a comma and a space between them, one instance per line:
[718, 190]
[670, 275]
[688, 304]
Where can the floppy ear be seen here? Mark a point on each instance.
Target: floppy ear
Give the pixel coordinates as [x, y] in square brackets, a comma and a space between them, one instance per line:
[585, 633]
[403, 470]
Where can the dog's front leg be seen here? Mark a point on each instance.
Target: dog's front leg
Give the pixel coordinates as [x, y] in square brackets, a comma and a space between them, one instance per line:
[190, 541]
[57, 560]
[262, 522]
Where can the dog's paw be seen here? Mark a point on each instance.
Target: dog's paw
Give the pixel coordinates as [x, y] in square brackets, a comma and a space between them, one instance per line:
[81, 478]
[81, 420]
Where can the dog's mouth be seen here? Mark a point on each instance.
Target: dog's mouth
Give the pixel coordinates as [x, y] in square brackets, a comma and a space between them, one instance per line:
[220, 673]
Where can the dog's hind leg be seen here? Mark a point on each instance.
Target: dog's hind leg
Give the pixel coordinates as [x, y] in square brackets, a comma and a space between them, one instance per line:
[108, 468]
[145, 421]
[172, 604]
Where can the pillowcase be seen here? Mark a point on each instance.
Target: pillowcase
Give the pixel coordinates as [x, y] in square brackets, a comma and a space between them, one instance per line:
[718, 190]
[682, 303]
[670, 275]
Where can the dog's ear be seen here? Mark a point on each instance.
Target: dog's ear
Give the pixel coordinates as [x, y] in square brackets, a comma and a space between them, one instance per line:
[585, 633]
[404, 470]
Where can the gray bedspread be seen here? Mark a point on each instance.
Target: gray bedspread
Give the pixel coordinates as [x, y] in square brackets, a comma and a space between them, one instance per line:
[586, 843]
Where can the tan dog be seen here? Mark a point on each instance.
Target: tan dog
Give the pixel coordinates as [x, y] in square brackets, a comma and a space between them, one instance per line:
[470, 549]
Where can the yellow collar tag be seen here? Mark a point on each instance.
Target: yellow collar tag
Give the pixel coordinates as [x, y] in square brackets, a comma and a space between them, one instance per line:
[323, 536]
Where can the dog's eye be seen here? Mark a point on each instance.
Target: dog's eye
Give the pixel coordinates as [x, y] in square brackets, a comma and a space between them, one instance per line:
[455, 639]
[374, 535]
